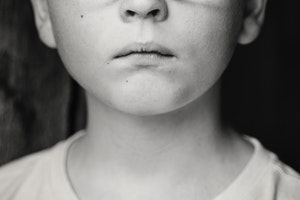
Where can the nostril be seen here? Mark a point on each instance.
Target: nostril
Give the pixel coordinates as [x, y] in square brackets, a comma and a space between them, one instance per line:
[130, 13]
[154, 12]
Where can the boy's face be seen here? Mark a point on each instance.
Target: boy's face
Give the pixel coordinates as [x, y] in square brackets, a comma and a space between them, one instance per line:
[187, 44]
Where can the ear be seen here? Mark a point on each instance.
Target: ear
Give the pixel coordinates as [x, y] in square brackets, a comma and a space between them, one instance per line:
[43, 22]
[254, 13]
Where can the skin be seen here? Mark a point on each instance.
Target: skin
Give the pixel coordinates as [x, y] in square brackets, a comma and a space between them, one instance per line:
[205, 35]
[154, 129]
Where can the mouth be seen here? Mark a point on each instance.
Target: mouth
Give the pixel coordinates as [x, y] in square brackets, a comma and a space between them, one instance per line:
[151, 50]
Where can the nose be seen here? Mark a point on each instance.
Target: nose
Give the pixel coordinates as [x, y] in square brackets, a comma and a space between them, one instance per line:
[155, 10]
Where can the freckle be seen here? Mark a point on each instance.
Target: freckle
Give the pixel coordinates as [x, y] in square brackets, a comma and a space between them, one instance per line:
[126, 81]
[81, 16]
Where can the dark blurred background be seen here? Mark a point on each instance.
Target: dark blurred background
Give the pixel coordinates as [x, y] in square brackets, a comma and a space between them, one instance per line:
[41, 105]
[262, 85]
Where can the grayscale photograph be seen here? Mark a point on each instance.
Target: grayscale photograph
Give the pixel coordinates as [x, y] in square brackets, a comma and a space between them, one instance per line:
[149, 100]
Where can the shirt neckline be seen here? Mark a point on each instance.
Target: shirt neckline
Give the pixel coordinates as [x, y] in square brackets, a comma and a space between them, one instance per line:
[61, 184]
[254, 172]
[240, 188]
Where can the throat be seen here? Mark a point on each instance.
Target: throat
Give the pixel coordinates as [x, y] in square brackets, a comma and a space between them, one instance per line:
[177, 173]
[139, 155]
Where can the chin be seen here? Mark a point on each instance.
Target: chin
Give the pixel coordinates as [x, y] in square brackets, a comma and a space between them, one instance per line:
[146, 109]
[150, 103]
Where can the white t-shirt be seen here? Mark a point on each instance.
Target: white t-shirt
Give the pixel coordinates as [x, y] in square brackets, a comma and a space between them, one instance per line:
[43, 176]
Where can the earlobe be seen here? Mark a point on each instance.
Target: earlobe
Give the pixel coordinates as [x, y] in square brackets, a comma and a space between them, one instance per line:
[43, 22]
[254, 13]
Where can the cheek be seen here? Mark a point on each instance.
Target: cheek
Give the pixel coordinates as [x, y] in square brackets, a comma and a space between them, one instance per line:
[207, 39]
[212, 35]
[82, 42]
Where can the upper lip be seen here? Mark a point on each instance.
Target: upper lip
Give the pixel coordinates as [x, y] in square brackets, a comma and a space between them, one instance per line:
[140, 48]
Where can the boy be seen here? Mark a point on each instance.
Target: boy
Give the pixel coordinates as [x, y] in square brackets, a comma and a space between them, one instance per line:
[150, 69]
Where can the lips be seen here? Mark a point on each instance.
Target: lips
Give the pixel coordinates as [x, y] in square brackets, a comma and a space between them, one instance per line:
[145, 49]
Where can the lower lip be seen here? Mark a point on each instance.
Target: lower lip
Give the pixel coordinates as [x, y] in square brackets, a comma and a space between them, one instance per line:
[147, 59]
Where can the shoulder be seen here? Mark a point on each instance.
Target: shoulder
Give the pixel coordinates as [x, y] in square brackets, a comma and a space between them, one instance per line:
[41, 175]
[265, 177]
[25, 175]
[277, 181]
[285, 180]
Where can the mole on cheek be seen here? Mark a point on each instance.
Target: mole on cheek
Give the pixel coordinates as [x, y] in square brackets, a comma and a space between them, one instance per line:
[81, 16]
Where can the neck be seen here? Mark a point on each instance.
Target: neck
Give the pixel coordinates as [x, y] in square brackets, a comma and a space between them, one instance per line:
[187, 147]
[152, 142]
